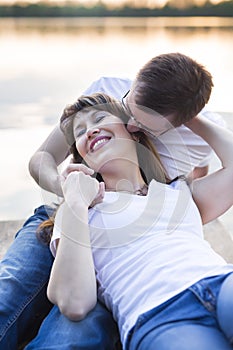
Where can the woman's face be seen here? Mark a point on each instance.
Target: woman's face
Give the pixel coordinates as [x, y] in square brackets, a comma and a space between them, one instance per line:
[101, 138]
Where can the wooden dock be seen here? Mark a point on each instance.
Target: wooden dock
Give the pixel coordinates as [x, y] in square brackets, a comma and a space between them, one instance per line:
[215, 233]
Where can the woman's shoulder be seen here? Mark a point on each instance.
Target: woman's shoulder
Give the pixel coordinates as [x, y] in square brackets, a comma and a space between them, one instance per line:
[175, 183]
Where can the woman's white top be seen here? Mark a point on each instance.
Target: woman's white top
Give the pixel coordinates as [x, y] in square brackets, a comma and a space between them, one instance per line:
[147, 249]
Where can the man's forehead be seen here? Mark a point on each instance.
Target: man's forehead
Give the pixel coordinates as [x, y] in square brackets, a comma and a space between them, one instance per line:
[131, 95]
[140, 109]
[131, 99]
[135, 88]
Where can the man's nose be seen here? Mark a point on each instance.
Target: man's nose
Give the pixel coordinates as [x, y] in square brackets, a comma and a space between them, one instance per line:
[132, 126]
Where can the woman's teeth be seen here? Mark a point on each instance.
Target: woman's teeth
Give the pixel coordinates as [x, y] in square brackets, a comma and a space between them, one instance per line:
[98, 143]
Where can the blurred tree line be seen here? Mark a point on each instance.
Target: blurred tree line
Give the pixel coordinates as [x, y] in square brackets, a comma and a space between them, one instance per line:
[43, 9]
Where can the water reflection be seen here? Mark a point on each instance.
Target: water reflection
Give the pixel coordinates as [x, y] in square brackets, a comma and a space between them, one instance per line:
[79, 23]
[47, 63]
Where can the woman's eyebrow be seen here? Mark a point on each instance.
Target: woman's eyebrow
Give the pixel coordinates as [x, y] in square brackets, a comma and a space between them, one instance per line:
[79, 123]
[78, 127]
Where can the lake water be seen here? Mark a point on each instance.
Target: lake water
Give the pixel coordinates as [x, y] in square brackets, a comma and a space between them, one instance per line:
[47, 63]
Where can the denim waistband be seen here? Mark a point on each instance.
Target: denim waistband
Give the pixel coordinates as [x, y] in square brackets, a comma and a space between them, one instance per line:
[197, 304]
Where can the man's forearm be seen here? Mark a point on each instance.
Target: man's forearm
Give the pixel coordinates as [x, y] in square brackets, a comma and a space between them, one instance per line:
[219, 138]
[43, 169]
[198, 172]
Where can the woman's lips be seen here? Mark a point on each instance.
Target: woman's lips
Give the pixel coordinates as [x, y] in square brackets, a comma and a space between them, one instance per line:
[98, 142]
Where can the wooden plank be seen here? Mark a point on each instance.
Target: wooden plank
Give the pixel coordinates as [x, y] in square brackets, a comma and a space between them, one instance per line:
[214, 232]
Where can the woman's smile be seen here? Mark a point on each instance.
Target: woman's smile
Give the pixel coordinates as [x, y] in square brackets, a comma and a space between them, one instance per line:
[98, 142]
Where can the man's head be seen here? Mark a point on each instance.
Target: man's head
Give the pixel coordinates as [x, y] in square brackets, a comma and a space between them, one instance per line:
[171, 85]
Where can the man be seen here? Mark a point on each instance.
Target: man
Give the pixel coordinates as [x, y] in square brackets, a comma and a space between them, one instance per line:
[180, 88]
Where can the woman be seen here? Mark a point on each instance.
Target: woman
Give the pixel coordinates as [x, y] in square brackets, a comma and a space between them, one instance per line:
[144, 243]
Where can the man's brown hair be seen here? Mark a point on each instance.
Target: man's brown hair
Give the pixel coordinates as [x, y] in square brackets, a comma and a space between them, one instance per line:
[173, 84]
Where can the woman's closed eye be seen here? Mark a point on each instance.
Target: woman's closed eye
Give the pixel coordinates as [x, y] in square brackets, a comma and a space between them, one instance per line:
[99, 117]
[80, 130]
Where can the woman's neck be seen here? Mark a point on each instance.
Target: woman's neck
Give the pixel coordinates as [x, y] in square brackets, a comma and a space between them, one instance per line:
[131, 183]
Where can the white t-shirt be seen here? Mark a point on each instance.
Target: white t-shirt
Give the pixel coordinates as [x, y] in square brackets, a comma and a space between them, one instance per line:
[147, 249]
[180, 149]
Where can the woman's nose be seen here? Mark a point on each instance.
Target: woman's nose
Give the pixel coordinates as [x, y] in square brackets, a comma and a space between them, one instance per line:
[92, 132]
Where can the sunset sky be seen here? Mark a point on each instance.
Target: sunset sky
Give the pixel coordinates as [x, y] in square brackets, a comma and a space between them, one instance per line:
[149, 3]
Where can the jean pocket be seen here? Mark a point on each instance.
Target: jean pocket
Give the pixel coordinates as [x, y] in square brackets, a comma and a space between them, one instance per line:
[207, 290]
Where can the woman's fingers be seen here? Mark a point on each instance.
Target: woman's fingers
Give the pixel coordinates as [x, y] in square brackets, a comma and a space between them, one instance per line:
[77, 167]
[80, 188]
[100, 195]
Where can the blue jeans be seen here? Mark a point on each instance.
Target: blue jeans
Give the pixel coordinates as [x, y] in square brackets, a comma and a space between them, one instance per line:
[200, 318]
[97, 331]
[24, 274]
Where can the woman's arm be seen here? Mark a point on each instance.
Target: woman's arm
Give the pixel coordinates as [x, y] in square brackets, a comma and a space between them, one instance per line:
[213, 194]
[72, 284]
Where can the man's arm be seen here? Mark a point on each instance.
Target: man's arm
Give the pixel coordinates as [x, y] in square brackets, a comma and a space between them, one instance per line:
[211, 193]
[198, 172]
[185, 153]
[44, 162]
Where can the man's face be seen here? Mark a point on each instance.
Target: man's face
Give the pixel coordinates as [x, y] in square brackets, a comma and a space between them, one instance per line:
[145, 119]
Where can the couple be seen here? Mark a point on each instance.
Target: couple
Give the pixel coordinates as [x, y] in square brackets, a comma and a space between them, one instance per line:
[23, 292]
[144, 246]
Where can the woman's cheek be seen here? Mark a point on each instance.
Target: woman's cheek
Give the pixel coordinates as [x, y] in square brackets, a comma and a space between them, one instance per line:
[80, 148]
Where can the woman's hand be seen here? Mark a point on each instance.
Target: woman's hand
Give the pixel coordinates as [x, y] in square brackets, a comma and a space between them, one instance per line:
[77, 167]
[80, 189]
[71, 167]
